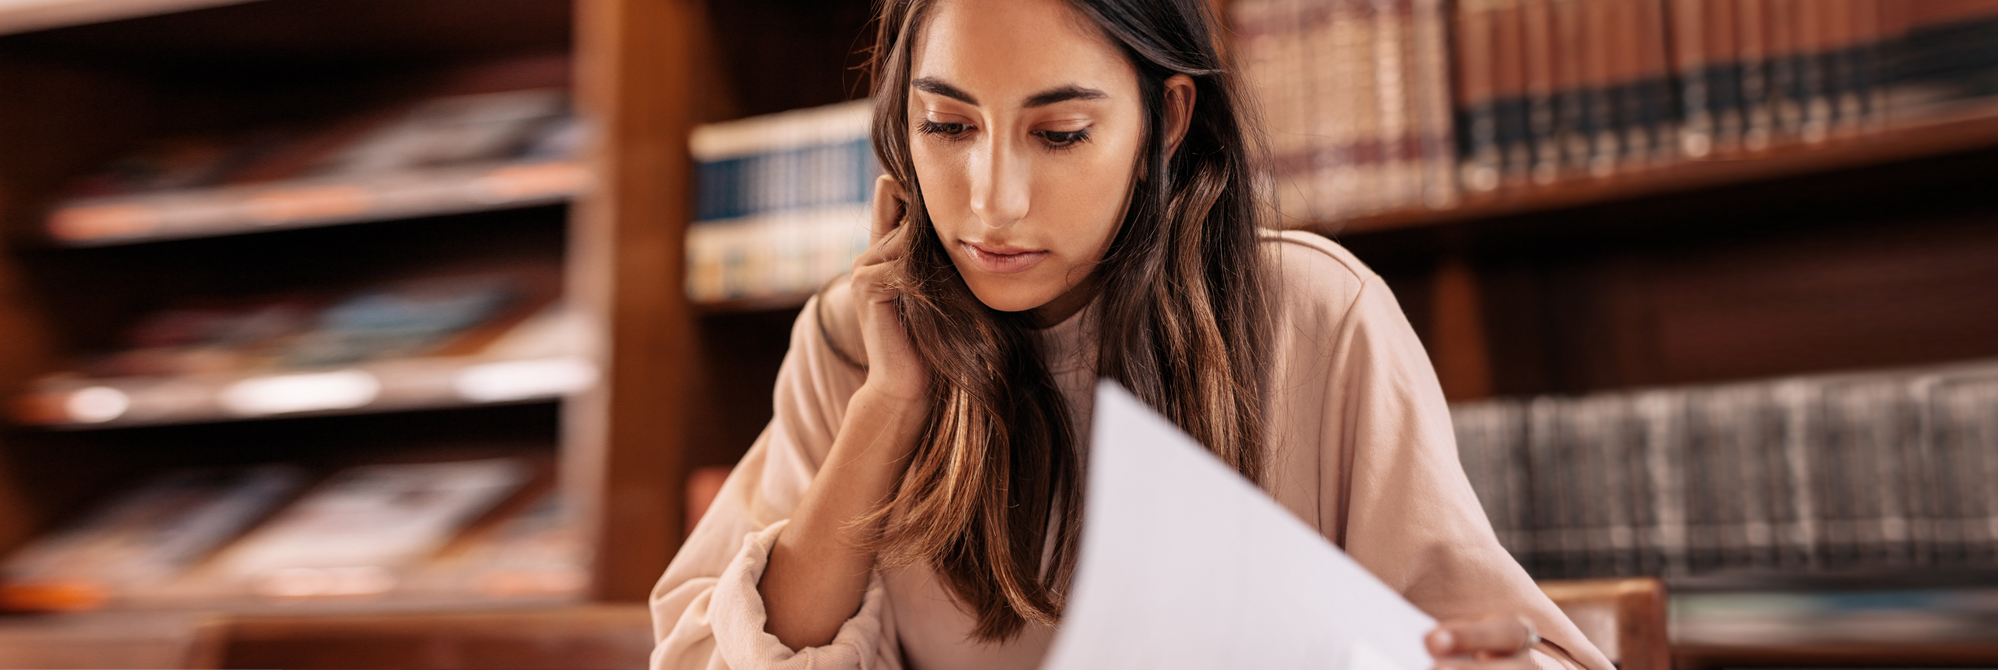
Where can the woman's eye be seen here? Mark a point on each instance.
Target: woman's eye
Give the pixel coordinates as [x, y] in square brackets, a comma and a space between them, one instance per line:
[944, 129]
[1063, 139]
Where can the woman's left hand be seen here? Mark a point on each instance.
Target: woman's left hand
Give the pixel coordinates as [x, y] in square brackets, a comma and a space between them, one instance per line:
[1501, 642]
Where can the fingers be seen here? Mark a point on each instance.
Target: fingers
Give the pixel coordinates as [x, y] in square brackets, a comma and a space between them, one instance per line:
[889, 203]
[1492, 636]
[884, 249]
[1514, 662]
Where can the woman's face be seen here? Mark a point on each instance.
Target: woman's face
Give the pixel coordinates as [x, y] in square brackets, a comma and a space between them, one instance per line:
[1024, 126]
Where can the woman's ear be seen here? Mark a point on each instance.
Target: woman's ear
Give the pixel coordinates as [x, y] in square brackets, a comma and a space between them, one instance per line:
[1179, 98]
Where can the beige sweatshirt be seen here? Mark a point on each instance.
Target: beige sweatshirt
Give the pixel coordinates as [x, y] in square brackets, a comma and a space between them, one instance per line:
[1361, 449]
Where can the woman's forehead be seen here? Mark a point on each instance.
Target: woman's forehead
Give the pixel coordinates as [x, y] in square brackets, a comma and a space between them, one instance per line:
[1006, 52]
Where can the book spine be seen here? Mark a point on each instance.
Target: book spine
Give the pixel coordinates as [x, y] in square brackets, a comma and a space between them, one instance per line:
[1477, 117]
[1393, 39]
[1661, 111]
[1689, 68]
[1627, 85]
[1571, 99]
[1332, 170]
[1432, 104]
[1598, 76]
[1813, 55]
[1752, 33]
[1724, 72]
[1541, 117]
[1372, 144]
[1509, 92]
[1290, 106]
[1841, 66]
[1786, 103]
[1881, 24]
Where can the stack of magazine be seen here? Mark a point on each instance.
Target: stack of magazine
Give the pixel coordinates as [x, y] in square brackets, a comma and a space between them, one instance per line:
[267, 534]
[413, 342]
[1887, 470]
[441, 155]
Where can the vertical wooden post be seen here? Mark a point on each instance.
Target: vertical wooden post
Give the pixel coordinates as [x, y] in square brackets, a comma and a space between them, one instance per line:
[1462, 357]
[622, 460]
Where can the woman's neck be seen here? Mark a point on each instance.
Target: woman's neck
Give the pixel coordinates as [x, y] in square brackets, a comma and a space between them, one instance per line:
[1065, 305]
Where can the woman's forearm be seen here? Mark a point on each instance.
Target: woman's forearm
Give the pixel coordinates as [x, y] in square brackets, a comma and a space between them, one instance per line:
[819, 568]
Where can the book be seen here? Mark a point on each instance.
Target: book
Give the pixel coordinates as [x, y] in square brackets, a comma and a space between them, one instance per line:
[1853, 471]
[357, 533]
[451, 153]
[782, 202]
[1540, 92]
[142, 537]
[538, 552]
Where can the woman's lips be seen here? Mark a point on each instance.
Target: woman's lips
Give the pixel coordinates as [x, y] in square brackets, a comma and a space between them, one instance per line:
[1002, 260]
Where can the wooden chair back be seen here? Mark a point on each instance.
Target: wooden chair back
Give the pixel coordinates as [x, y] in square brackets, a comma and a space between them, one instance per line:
[1625, 618]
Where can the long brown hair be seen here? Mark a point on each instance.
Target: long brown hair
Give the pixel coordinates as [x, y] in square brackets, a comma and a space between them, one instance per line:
[1183, 318]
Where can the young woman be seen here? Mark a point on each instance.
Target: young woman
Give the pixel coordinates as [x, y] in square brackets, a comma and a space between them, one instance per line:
[1070, 195]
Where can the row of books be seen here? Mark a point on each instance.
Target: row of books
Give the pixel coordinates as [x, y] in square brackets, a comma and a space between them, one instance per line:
[1907, 610]
[481, 529]
[782, 202]
[1378, 105]
[1888, 470]
[450, 153]
[430, 341]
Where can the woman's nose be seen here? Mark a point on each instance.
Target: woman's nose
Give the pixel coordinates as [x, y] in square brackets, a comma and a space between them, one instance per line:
[1000, 185]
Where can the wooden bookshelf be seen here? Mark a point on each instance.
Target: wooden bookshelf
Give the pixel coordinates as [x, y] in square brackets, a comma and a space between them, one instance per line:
[28, 15]
[770, 303]
[88, 78]
[1957, 654]
[1927, 140]
[236, 210]
[375, 386]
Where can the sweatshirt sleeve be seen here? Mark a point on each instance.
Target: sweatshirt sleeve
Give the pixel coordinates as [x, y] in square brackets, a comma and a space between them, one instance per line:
[1409, 513]
[706, 610]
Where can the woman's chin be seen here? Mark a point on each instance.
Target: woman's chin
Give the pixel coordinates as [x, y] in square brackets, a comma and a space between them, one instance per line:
[997, 295]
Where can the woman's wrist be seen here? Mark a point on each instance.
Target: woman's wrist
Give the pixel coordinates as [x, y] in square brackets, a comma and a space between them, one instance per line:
[888, 404]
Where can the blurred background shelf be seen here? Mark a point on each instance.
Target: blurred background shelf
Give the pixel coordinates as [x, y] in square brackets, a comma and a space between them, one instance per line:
[315, 202]
[1929, 141]
[27, 15]
[377, 386]
[582, 196]
[772, 303]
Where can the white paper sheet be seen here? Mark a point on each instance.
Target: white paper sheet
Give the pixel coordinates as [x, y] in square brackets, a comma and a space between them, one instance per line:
[1185, 564]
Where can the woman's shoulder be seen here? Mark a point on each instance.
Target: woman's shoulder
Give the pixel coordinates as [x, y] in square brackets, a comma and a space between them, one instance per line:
[1314, 275]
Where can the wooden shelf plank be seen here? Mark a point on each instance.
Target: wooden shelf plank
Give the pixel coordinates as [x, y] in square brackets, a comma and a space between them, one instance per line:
[1934, 138]
[20, 16]
[1821, 653]
[768, 303]
[307, 203]
[365, 388]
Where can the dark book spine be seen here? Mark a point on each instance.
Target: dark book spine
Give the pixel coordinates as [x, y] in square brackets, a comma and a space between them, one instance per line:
[1509, 92]
[1780, 30]
[1660, 115]
[1689, 65]
[1813, 53]
[1571, 99]
[1752, 35]
[1724, 98]
[1598, 77]
[1477, 116]
[1541, 118]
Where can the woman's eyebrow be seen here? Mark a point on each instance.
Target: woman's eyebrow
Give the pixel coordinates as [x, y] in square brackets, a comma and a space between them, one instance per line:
[937, 86]
[1064, 94]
